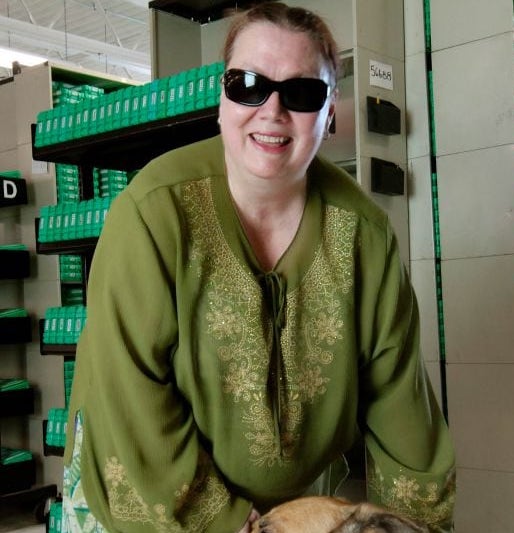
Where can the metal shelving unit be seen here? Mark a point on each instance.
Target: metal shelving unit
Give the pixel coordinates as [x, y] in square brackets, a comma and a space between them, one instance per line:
[18, 479]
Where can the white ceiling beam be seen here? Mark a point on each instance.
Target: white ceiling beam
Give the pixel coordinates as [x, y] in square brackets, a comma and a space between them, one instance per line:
[70, 43]
[140, 3]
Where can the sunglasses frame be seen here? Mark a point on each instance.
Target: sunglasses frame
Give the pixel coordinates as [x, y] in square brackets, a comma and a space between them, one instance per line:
[271, 86]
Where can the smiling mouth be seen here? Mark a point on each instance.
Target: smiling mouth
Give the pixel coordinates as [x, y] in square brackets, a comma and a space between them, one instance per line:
[271, 140]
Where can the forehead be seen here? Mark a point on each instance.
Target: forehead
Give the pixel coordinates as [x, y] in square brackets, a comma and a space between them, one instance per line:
[267, 44]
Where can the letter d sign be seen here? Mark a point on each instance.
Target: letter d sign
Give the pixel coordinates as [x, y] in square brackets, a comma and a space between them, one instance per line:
[10, 190]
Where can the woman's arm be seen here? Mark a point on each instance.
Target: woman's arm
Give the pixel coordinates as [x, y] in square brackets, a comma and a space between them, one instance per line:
[410, 464]
[143, 466]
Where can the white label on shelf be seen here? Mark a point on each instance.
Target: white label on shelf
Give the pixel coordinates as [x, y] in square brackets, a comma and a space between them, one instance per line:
[380, 74]
[39, 167]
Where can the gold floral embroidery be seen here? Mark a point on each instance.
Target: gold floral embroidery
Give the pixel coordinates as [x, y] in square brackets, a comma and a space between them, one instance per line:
[314, 323]
[127, 505]
[430, 504]
[197, 505]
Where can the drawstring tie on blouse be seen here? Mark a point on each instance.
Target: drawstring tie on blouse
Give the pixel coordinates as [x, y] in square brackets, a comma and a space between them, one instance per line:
[274, 290]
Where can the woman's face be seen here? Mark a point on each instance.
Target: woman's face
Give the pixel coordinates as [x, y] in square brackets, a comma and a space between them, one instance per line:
[270, 142]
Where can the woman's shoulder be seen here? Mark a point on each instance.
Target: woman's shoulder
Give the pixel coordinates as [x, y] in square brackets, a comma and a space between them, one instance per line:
[339, 189]
[194, 161]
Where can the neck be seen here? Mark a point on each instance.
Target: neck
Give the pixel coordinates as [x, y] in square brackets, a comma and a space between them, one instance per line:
[257, 198]
[270, 215]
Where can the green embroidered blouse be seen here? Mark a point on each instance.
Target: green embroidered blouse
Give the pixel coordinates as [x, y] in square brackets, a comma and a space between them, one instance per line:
[207, 386]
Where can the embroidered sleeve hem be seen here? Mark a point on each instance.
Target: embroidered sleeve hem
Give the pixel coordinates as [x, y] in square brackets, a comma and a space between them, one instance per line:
[416, 495]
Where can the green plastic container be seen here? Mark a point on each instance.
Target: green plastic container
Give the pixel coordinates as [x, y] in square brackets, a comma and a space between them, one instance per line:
[180, 98]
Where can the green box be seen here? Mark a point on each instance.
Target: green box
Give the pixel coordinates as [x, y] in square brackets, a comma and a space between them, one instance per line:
[153, 98]
[93, 125]
[61, 324]
[109, 111]
[85, 126]
[88, 218]
[101, 106]
[62, 113]
[134, 106]
[70, 122]
[40, 139]
[126, 105]
[191, 86]
[172, 96]
[77, 121]
[81, 219]
[73, 230]
[162, 98]
[51, 223]
[144, 103]
[97, 217]
[58, 222]
[43, 224]
[200, 94]
[54, 133]
[117, 110]
[180, 98]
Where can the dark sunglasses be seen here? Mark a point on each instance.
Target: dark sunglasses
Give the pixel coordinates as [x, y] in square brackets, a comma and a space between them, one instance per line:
[306, 95]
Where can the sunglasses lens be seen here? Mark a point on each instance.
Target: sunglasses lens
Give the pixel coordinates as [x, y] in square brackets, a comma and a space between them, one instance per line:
[296, 94]
[304, 94]
[245, 88]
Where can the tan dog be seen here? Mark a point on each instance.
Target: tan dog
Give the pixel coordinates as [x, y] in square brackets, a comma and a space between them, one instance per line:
[321, 514]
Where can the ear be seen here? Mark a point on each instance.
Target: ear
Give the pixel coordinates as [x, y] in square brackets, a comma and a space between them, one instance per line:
[395, 524]
[330, 125]
[379, 523]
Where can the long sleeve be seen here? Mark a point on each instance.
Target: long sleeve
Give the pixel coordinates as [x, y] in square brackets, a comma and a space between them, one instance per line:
[410, 463]
[144, 467]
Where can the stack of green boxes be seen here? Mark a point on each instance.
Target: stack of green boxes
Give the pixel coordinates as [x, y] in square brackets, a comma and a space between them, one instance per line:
[190, 90]
[72, 295]
[70, 221]
[56, 427]
[72, 276]
[110, 182]
[66, 93]
[55, 518]
[106, 182]
[63, 325]
[67, 183]
[60, 123]
[70, 268]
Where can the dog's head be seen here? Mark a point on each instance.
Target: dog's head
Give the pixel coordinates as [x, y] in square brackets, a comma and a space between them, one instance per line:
[319, 514]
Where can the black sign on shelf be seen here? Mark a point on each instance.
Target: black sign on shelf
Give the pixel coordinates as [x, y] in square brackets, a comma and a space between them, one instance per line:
[386, 177]
[12, 192]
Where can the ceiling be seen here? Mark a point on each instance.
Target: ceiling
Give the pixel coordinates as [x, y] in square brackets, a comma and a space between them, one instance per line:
[110, 36]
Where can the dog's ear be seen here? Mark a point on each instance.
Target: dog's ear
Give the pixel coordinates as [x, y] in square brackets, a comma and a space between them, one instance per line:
[378, 523]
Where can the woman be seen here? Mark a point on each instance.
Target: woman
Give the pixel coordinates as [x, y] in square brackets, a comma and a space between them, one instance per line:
[248, 314]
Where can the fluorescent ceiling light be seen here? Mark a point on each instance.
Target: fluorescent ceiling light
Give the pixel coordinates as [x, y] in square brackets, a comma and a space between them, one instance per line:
[8, 56]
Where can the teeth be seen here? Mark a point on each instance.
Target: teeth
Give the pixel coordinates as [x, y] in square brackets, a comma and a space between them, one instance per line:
[269, 139]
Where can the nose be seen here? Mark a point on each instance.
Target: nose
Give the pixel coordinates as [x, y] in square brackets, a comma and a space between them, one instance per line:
[273, 106]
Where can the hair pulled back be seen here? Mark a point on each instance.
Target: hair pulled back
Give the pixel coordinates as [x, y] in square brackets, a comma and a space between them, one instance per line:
[289, 18]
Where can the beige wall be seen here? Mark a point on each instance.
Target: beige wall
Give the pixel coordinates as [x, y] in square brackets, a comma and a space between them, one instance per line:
[473, 81]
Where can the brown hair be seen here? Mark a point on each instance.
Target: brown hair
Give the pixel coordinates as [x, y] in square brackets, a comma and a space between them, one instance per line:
[290, 18]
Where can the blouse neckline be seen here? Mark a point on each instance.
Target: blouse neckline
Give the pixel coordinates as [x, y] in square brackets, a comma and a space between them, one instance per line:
[297, 258]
